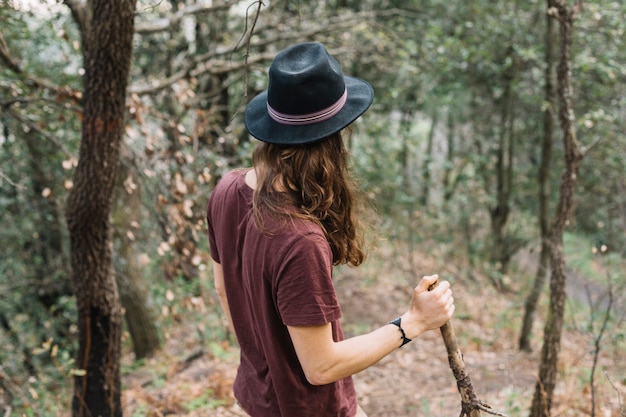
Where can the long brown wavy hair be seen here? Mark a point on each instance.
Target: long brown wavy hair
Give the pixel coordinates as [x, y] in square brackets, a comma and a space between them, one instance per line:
[312, 182]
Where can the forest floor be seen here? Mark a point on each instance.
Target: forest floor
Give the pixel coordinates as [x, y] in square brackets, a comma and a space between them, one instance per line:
[188, 379]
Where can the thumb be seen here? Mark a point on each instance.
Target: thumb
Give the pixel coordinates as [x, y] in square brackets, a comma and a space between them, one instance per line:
[426, 282]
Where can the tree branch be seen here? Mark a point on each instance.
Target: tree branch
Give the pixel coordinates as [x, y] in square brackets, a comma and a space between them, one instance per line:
[209, 63]
[79, 11]
[247, 33]
[166, 24]
[471, 406]
[598, 340]
[619, 396]
[14, 65]
[6, 57]
[3, 176]
[586, 148]
[24, 121]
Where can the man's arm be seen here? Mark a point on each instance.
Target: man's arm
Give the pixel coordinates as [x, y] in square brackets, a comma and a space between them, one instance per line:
[218, 274]
[324, 360]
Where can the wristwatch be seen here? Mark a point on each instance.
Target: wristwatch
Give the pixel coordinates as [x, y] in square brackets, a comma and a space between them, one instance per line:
[398, 322]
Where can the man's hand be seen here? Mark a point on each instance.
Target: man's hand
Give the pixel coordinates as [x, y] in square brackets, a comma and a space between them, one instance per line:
[429, 309]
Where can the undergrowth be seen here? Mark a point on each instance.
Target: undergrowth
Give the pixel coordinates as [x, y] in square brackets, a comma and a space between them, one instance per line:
[194, 333]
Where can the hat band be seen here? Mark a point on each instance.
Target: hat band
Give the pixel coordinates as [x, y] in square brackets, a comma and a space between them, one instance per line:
[310, 118]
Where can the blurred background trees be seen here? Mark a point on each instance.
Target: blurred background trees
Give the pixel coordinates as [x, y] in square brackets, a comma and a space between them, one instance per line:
[449, 154]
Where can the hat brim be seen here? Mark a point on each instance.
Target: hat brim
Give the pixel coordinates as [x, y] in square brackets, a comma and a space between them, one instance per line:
[263, 127]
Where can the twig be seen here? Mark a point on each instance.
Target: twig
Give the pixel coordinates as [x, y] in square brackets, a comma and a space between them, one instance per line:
[209, 63]
[162, 25]
[471, 406]
[622, 411]
[5, 56]
[596, 351]
[31, 125]
[10, 181]
[247, 54]
[586, 148]
[14, 65]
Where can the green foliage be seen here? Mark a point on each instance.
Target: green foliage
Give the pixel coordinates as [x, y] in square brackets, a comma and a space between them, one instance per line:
[204, 402]
[450, 61]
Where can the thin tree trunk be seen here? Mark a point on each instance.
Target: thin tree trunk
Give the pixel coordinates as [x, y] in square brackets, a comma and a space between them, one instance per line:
[406, 167]
[530, 306]
[427, 159]
[500, 212]
[544, 389]
[107, 28]
[447, 187]
[544, 192]
[408, 181]
[133, 290]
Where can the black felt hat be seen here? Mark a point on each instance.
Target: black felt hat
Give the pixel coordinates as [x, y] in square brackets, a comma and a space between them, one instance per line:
[308, 98]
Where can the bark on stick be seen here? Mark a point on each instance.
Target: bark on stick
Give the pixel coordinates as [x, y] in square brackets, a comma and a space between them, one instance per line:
[471, 406]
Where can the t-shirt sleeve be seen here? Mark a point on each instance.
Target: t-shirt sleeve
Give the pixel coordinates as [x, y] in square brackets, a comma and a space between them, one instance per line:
[210, 223]
[219, 205]
[305, 293]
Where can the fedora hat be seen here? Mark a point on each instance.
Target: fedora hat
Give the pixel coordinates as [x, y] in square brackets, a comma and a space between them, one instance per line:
[308, 98]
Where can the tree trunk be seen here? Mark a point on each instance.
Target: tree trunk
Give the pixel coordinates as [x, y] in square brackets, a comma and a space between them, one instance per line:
[500, 254]
[408, 180]
[447, 187]
[544, 192]
[406, 124]
[427, 159]
[532, 299]
[544, 390]
[107, 28]
[133, 290]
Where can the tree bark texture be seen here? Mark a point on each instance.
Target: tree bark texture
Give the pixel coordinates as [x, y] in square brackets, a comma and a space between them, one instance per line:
[471, 406]
[463, 382]
[107, 33]
[544, 191]
[544, 390]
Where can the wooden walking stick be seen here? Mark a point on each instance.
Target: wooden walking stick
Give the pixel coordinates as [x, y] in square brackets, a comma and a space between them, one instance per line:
[471, 406]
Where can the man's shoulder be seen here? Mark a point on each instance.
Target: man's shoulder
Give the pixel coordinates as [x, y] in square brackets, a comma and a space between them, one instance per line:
[232, 176]
[230, 180]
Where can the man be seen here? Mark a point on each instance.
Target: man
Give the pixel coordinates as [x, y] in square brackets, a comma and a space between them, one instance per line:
[277, 230]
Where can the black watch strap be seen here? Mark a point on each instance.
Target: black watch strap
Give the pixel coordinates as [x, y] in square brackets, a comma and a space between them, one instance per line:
[398, 322]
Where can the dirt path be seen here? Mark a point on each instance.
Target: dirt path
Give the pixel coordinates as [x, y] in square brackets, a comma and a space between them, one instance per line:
[413, 381]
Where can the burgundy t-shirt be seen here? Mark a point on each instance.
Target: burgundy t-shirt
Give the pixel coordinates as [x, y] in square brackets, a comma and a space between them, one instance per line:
[274, 278]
